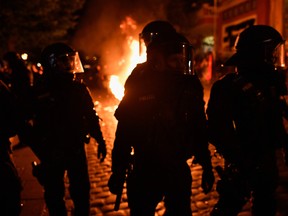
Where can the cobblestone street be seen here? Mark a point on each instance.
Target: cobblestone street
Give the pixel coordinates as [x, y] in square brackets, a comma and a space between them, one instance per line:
[102, 201]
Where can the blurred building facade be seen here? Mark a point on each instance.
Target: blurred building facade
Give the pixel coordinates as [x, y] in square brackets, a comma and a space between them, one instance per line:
[218, 25]
[233, 16]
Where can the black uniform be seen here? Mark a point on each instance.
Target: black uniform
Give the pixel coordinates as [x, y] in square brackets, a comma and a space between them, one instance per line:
[10, 186]
[64, 116]
[20, 85]
[162, 117]
[245, 124]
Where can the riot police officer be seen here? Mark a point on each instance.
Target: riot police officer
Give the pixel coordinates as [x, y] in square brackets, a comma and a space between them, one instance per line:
[10, 187]
[20, 84]
[64, 117]
[245, 122]
[161, 117]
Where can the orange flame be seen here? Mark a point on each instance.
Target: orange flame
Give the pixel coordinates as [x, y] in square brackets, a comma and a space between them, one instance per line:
[116, 87]
[132, 58]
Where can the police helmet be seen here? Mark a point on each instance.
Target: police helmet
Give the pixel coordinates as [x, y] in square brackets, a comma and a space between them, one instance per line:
[175, 50]
[258, 44]
[152, 31]
[60, 58]
[155, 29]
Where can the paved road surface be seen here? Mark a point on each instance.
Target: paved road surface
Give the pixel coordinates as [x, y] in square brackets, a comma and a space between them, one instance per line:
[102, 201]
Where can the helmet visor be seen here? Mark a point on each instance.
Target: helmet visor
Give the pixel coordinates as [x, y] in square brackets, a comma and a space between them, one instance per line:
[69, 63]
[279, 56]
[147, 37]
[144, 40]
[180, 58]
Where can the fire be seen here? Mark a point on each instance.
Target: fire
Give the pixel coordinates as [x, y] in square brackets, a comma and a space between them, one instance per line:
[130, 60]
[116, 87]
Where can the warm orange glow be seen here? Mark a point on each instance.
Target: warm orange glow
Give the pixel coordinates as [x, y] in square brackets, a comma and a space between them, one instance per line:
[209, 67]
[132, 58]
[116, 87]
[134, 55]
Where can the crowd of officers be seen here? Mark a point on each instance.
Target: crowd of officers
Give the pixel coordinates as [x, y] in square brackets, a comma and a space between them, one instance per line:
[162, 122]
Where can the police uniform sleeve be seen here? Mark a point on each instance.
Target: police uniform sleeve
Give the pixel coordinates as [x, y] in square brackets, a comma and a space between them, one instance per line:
[220, 118]
[91, 116]
[125, 114]
[121, 149]
[123, 136]
[9, 117]
[122, 143]
[201, 148]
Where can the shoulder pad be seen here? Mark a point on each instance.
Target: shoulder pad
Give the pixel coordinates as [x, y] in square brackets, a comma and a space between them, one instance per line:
[136, 73]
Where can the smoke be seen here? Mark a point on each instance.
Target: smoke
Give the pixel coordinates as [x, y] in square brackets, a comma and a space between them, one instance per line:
[99, 31]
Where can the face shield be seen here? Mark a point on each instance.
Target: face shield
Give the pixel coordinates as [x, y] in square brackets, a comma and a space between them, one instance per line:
[279, 56]
[68, 63]
[180, 58]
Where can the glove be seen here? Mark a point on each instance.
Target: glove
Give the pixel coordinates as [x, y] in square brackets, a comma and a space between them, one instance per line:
[102, 151]
[115, 183]
[207, 180]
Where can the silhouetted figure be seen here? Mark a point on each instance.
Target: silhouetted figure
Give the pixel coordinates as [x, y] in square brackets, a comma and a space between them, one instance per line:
[245, 122]
[64, 117]
[10, 184]
[161, 118]
[4, 75]
[19, 82]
